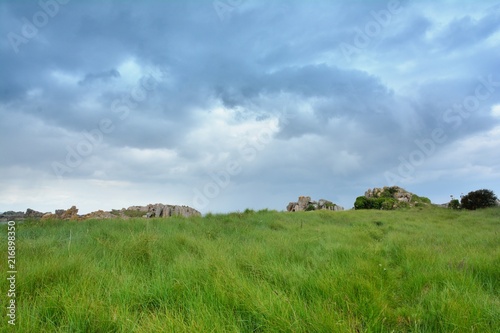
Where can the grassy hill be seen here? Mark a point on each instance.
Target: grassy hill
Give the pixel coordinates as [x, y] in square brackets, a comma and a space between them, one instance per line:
[419, 270]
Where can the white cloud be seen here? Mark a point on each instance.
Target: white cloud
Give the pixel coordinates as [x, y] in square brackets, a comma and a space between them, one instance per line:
[495, 110]
[64, 78]
[130, 71]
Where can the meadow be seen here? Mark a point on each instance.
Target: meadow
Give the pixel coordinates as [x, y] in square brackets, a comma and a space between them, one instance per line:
[413, 270]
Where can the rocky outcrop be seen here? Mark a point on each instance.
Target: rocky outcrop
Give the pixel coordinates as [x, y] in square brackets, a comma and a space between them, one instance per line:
[30, 213]
[151, 210]
[390, 197]
[11, 216]
[161, 210]
[396, 192]
[100, 214]
[305, 204]
[61, 214]
[70, 214]
[20, 216]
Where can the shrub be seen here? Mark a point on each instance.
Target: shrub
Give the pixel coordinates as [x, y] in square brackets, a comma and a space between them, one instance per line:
[454, 204]
[403, 204]
[330, 205]
[362, 203]
[425, 200]
[417, 199]
[310, 207]
[374, 203]
[479, 199]
[388, 204]
[389, 192]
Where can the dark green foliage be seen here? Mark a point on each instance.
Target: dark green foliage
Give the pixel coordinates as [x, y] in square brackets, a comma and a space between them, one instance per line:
[329, 205]
[362, 203]
[454, 204]
[415, 198]
[389, 192]
[389, 198]
[479, 199]
[310, 207]
[388, 203]
[374, 203]
[403, 204]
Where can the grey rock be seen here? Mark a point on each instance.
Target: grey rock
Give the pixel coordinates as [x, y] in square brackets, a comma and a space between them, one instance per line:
[305, 202]
[30, 213]
[11, 216]
[165, 211]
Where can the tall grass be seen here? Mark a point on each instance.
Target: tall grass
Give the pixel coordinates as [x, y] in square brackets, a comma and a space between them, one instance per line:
[429, 270]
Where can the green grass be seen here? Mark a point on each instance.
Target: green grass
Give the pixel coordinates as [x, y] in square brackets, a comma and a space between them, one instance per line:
[427, 270]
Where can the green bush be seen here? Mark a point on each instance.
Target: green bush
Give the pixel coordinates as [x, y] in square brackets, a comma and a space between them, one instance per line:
[388, 204]
[377, 202]
[454, 204]
[403, 204]
[479, 199]
[417, 199]
[389, 192]
[374, 203]
[310, 208]
[425, 200]
[362, 203]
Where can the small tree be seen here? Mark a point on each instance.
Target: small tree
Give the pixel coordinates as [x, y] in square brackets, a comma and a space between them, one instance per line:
[479, 199]
[362, 203]
[454, 204]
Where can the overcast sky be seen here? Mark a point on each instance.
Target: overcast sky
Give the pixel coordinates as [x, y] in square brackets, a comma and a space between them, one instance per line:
[238, 104]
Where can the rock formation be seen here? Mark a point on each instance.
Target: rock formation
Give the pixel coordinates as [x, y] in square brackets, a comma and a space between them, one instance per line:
[304, 203]
[396, 192]
[151, 210]
[389, 197]
[61, 214]
[30, 213]
[11, 216]
[161, 210]
[100, 214]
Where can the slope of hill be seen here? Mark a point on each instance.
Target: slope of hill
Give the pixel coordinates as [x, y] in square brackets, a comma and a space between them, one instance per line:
[419, 270]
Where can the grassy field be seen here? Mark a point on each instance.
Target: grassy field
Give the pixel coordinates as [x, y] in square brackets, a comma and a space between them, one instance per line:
[419, 270]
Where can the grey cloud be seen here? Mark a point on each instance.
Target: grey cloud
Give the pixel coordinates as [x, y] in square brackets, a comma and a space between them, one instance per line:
[466, 31]
[103, 76]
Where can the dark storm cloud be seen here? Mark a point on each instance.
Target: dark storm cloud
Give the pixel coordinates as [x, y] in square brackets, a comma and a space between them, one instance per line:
[262, 60]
